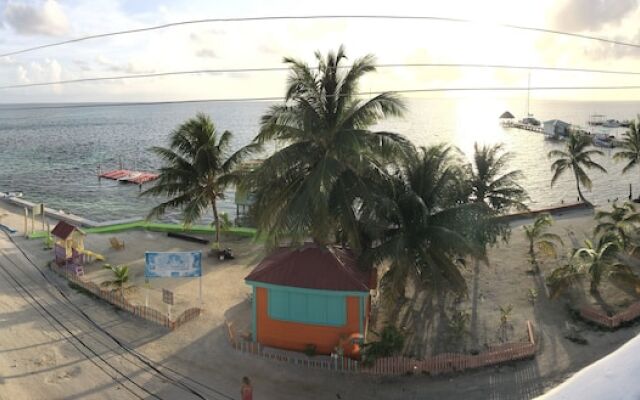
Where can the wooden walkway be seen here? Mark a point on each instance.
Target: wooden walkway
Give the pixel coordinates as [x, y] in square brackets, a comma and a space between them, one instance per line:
[526, 127]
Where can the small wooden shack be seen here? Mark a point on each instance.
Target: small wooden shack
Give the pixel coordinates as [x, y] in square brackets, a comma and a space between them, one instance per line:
[69, 244]
[310, 297]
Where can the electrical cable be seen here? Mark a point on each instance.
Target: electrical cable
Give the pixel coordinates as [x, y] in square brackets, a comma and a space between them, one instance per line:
[282, 69]
[317, 17]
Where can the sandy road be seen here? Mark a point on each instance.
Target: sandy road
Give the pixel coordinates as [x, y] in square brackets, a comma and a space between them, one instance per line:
[50, 350]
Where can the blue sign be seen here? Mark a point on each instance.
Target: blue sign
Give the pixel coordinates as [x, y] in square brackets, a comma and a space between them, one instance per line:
[173, 265]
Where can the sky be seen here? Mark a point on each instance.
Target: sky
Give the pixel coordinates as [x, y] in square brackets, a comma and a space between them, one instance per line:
[28, 23]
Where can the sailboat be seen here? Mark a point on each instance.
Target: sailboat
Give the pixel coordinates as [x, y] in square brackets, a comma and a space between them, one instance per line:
[529, 119]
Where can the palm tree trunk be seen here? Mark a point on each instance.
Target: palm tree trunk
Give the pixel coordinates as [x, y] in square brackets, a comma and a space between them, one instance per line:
[580, 195]
[216, 220]
[594, 287]
[532, 253]
[532, 257]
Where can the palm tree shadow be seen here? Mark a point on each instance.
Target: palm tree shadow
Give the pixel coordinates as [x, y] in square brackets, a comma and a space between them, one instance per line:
[424, 319]
[417, 318]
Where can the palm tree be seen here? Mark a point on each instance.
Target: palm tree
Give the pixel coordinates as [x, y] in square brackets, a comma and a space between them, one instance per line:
[198, 167]
[598, 259]
[538, 237]
[576, 157]
[313, 185]
[621, 220]
[120, 276]
[631, 147]
[490, 183]
[419, 225]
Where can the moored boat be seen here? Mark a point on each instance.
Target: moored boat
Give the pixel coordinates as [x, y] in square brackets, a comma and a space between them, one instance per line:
[603, 140]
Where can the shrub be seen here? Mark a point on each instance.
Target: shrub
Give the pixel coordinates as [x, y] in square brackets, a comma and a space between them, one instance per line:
[391, 343]
[310, 349]
[458, 328]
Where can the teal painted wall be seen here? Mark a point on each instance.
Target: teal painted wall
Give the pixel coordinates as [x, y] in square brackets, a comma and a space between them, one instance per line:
[309, 308]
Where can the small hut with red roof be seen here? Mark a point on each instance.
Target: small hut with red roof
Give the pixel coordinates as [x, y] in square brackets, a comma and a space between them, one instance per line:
[311, 296]
[69, 244]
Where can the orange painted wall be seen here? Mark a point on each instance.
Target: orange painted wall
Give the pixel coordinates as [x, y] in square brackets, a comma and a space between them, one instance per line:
[295, 336]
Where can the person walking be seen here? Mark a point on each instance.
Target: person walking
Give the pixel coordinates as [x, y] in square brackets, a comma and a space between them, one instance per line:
[246, 390]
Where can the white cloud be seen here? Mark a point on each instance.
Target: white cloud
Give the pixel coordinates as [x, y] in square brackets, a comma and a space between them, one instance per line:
[49, 70]
[4, 61]
[45, 18]
[591, 15]
[206, 53]
[23, 75]
[130, 67]
[83, 65]
[612, 51]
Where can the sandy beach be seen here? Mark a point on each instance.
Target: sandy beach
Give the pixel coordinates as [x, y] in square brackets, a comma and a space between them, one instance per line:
[43, 360]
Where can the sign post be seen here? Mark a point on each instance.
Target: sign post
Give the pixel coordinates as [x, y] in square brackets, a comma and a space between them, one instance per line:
[34, 209]
[167, 298]
[43, 216]
[174, 265]
[26, 222]
[146, 297]
[37, 209]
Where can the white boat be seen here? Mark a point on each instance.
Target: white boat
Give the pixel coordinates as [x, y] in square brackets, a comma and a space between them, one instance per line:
[611, 123]
[10, 194]
[603, 140]
[530, 121]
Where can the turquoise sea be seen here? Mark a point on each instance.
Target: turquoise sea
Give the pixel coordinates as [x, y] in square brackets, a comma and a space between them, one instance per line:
[52, 154]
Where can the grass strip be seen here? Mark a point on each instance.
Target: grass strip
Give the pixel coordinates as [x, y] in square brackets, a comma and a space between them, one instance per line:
[157, 227]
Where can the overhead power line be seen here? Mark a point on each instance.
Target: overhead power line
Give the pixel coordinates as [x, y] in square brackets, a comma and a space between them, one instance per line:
[280, 98]
[316, 17]
[280, 69]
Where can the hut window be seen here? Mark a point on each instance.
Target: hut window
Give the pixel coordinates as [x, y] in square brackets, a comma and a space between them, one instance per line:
[307, 308]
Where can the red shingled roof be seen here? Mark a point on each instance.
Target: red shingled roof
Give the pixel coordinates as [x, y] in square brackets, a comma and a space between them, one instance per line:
[62, 230]
[312, 267]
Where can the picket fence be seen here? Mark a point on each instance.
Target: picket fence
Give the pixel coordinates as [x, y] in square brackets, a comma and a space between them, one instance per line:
[440, 364]
[116, 299]
[596, 316]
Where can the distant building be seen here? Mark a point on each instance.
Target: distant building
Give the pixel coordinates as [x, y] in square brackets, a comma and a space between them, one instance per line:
[243, 199]
[311, 296]
[244, 202]
[556, 127]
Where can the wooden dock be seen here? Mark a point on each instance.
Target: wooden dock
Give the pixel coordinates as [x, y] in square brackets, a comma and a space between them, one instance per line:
[127, 176]
[526, 127]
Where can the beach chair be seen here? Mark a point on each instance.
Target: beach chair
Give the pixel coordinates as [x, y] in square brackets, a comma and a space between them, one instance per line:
[116, 244]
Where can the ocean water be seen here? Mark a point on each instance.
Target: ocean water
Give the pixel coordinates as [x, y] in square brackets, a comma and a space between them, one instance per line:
[52, 154]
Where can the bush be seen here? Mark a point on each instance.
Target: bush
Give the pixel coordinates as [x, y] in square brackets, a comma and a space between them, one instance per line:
[391, 343]
[458, 329]
[310, 349]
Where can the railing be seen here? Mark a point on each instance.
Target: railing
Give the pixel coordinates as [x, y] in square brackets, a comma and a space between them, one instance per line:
[442, 363]
[116, 298]
[598, 317]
